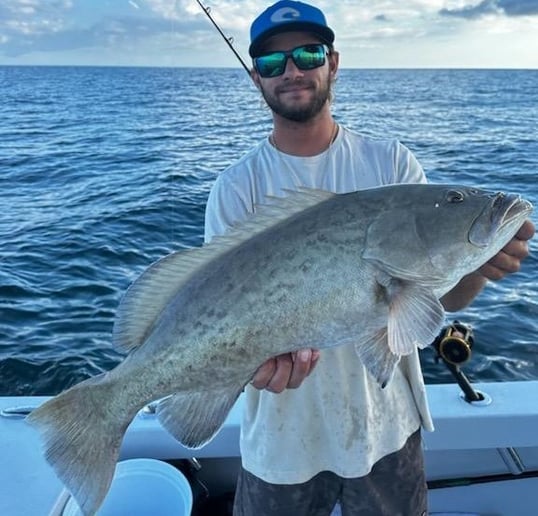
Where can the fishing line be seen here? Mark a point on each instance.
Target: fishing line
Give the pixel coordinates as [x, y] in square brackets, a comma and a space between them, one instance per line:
[229, 40]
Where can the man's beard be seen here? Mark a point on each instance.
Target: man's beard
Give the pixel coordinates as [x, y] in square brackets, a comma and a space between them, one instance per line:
[299, 113]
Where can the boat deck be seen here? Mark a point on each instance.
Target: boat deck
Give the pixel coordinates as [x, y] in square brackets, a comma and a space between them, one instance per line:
[482, 458]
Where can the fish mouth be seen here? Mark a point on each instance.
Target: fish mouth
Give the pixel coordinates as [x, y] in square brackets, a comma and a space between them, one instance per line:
[502, 213]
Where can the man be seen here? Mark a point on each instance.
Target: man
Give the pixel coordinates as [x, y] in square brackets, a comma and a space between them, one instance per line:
[340, 437]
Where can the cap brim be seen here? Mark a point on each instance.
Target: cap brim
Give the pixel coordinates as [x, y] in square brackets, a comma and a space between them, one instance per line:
[325, 34]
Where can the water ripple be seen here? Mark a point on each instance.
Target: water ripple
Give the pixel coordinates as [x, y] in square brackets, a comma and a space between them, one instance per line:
[104, 170]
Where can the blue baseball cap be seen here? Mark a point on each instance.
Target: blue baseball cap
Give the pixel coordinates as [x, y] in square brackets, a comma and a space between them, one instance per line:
[285, 16]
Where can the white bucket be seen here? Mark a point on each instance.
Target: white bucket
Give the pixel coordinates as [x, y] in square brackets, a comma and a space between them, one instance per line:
[143, 487]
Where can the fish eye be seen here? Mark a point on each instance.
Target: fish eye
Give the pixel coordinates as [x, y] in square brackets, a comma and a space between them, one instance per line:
[454, 196]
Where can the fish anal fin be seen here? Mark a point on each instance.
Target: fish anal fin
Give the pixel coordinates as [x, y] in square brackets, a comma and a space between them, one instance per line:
[194, 418]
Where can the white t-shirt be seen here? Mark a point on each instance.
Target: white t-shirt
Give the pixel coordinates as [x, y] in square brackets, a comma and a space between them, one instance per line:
[339, 419]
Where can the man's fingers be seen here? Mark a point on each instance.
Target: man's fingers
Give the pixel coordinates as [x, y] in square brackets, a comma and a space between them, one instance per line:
[302, 365]
[500, 265]
[517, 248]
[286, 371]
[264, 374]
[509, 259]
[526, 231]
[274, 374]
[315, 357]
[282, 374]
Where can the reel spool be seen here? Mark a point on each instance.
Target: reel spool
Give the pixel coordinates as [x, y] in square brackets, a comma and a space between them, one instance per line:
[454, 344]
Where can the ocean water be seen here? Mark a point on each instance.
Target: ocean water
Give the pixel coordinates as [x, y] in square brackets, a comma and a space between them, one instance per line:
[104, 170]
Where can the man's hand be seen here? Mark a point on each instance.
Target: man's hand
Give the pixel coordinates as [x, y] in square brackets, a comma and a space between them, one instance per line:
[285, 371]
[509, 259]
[506, 261]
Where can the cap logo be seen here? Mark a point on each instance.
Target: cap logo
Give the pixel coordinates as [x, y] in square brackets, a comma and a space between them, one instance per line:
[285, 14]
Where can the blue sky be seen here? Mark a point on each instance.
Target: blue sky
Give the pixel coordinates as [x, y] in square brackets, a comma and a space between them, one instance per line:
[369, 33]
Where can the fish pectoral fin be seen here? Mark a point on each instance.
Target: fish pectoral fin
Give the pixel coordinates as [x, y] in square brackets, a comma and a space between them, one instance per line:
[415, 316]
[377, 358]
[194, 418]
[415, 319]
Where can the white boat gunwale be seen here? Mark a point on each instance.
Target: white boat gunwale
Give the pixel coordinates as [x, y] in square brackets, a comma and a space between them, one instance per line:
[489, 448]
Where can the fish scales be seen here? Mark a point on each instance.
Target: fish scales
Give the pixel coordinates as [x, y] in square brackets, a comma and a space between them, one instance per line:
[312, 269]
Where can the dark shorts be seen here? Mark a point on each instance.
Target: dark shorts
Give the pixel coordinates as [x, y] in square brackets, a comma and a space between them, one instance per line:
[396, 486]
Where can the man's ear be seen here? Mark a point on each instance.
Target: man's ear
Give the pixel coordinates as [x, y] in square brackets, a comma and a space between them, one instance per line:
[334, 59]
[255, 78]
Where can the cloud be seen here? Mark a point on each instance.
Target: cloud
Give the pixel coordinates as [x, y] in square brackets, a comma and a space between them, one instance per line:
[30, 17]
[519, 7]
[17, 9]
[177, 32]
[117, 32]
[28, 26]
[506, 7]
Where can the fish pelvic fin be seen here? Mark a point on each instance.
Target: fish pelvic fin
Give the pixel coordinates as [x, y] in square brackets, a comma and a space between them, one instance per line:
[81, 441]
[194, 418]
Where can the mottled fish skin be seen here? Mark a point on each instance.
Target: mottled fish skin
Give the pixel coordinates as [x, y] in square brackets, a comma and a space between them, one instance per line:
[313, 269]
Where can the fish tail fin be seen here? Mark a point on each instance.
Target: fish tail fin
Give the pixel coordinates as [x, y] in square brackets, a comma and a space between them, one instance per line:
[81, 440]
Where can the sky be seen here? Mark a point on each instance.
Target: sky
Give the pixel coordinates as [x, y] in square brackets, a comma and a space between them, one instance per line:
[369, 33]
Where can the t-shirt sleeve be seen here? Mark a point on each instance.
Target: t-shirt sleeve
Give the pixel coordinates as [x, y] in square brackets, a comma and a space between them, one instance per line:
[224, 208]
[408, 169]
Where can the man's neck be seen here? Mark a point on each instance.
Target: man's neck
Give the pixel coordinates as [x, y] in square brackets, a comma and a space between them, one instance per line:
[304, 138]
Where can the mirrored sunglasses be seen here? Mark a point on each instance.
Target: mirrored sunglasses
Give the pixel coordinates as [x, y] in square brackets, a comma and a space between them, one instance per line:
[305, 57]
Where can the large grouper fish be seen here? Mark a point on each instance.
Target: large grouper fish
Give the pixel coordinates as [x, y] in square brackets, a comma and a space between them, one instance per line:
[310, 269]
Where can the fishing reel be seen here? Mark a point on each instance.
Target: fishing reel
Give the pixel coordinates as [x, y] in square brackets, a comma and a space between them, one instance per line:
[453, 346]
[454, 343]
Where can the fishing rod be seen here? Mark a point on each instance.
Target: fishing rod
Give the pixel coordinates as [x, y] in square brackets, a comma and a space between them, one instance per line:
[229, 40]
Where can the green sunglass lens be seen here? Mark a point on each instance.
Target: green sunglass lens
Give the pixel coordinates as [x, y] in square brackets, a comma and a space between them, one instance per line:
[306, 57]
[271, 65]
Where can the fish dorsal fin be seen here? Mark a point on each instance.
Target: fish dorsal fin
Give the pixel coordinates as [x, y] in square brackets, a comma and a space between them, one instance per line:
[273, 211]
[148, 296]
